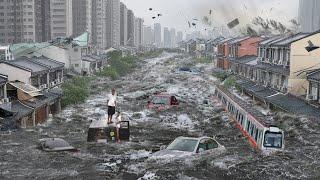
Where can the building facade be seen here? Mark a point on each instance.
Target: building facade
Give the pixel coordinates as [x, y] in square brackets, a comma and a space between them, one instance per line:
[80, 11]
[166, 37]
[113, 23]
[309, 17]
[24, 21]
[131, 25]
[61, 18]
[138, 32]
[157, 35]
[123, 24]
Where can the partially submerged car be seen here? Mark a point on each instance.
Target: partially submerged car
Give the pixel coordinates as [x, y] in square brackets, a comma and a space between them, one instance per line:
[55, 145]
[183, 147]
[101, 131]
[163, 101]
[188, 70]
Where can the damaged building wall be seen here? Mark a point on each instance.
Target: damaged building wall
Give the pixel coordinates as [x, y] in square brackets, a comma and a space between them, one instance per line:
[301, 61]
[15, 73]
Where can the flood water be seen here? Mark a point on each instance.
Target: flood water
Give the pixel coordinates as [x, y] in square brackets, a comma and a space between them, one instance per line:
[198, 115]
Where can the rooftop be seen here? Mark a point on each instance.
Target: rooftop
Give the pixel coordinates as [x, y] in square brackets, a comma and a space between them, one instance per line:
[274, 68]
[287, 103]
[25, 63]
[245, 59]
[314, 75]
[3, 79]
[238, 40]
[294, 105]
[52, 64]
[291, 39]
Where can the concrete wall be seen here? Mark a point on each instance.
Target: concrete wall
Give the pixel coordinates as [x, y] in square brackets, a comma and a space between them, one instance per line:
[15, 73]
[302, 60]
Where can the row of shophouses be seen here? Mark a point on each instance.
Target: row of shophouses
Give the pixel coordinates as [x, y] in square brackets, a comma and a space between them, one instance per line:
[31, 76]
[282, 71]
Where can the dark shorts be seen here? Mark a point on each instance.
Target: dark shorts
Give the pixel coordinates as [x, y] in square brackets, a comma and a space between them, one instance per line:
[111, 110]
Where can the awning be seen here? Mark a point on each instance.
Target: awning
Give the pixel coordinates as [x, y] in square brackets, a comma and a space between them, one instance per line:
[27, 88]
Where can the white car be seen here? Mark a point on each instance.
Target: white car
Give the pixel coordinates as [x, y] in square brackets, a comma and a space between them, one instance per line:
[184, 147]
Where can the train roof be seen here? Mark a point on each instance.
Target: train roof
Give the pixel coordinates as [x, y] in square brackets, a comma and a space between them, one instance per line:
[261, 118]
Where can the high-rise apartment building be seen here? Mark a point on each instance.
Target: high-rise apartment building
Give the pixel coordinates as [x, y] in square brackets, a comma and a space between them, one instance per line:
[309, 16]
[179, 37]
[61, 18]
[123, 24]
[157, 34]
[138, 32]
[131, 22]
[113, 23]
[173, 37]
[166, 37]
[148, 36]
[23, 21]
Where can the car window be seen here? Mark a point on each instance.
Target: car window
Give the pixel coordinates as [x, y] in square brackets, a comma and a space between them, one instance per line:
[212, 144]
[208, 144]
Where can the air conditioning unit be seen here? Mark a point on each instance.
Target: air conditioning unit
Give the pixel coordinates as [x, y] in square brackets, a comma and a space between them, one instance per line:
[6, 100]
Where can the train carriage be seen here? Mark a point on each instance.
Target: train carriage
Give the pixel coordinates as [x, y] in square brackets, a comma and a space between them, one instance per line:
[259, 130]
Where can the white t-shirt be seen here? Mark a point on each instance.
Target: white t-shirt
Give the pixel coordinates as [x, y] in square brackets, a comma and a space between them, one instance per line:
[112, 100]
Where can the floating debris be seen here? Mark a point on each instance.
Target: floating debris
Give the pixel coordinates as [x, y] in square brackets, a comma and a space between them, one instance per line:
[311, 47]
[233, 23]
[54, 145]
[150, 9]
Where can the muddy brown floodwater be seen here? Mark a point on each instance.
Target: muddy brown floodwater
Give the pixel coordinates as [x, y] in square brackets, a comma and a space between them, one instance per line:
[198, 115]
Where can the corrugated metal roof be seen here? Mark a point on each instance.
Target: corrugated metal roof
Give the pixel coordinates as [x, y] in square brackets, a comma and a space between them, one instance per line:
[291, 39]
[237, 40]
[23, 62]
[27, 88]
[47, 62]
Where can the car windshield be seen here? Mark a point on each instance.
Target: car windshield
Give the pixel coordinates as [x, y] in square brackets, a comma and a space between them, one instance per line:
[187, 145]
[273, 140]
[160, 100]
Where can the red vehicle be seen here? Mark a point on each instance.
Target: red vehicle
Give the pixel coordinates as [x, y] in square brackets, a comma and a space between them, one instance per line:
[163, 101]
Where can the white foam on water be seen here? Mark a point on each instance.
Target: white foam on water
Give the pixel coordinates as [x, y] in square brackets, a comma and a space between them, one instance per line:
[184, 121]
[149, 176]
[135, 155]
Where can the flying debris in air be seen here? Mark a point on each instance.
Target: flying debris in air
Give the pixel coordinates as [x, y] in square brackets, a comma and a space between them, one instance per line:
[153, 17]
[194, 24]
[311, 47]
[195, 19]
[159, 15]
[233, 23]
[189, 24]
[150, 9]
[245, 7]
[210, 12]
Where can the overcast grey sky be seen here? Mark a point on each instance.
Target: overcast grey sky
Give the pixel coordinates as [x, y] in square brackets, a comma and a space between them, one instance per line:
[177, 13]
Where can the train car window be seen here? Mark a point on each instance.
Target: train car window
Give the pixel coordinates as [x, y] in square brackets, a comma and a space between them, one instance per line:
[252, 129]
[248, 125]
[273, 139]
[256, 136]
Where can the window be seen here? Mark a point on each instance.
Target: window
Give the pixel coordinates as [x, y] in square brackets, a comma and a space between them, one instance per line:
[272, 140]
[207, 144]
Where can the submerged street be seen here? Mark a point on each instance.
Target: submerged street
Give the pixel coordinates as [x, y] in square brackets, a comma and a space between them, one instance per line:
[199, 114]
